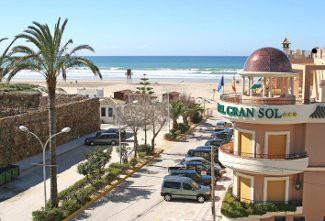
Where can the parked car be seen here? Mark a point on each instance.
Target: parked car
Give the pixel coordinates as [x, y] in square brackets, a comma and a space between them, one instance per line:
[204, 153]
[215, 142]
[103, 139]
[200, 179]
[200, 167]
[206, 162]
[224, 135]
[184, 188]
[221, 125]
[113, 130]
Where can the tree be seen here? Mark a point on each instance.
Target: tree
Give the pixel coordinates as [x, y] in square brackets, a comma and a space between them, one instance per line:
[176, 109]
[157, 118]
[187, 102]
[146, 93]
[145, 89]
[93, 167]
[132, 116]
[51, 56]
[6, 60]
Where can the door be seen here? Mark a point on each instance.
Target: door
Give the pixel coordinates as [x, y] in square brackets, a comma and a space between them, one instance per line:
[276, 190]
[188, 191]
[246, 144]
[277, 146]
[245, 189]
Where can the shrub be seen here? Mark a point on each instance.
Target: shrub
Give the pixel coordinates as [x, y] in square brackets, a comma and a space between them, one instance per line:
[145, 148]
[72, 190]
[133, 162]
[233, 208]
[48, 214]
[183, 127]
[70, 206]
[95, 163]
[170, 136]
[196, 118]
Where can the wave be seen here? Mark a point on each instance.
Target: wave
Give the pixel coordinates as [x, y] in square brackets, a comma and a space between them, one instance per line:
[117, 73]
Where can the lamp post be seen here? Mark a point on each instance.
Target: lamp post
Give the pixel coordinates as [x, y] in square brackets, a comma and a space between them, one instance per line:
[43, 145]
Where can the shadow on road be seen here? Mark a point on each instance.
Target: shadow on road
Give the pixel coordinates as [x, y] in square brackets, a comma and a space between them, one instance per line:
[34, 175]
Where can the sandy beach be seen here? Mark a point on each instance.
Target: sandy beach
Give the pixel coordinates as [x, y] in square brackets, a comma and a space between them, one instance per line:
[194, 87]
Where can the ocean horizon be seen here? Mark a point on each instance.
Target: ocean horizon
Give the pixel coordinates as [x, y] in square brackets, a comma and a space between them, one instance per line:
[155, 67]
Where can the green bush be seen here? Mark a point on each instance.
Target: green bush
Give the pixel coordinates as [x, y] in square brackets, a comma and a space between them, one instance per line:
[133, 162]
[72, 190]
[196, 118]
[170, 136]
[48, 214]
[183, 127]
[70, 206]
[233, 208]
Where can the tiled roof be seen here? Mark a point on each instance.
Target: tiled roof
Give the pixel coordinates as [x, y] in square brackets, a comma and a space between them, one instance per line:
[319, 112]
[268, 60]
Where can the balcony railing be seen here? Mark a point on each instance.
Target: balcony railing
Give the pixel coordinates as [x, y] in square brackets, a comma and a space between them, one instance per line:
[291, 156]
[277, 100]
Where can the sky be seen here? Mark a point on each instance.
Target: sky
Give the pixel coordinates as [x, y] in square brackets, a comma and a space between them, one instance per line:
[174, 27]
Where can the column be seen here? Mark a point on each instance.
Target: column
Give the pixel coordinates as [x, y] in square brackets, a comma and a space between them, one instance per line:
[287, 86]
[243, 85]
[306, 85]
[292, 85]
[249, 86]
[264, 87]
[270, 87]
[282, 85]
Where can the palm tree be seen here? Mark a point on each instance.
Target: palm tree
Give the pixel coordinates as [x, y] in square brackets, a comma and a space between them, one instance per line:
[50, 55]
[5, 60]
[176, 109]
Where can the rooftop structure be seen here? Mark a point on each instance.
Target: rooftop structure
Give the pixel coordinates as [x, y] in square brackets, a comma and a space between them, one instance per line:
[277, 154]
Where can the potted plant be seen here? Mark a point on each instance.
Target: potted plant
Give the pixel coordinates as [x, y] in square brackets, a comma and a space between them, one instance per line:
[8, 173]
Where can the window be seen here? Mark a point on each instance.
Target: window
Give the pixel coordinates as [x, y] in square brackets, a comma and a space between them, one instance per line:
[103, 112]
[110, 112]
[172, 185]
[187, 186]
[299, 218]
[280, 218]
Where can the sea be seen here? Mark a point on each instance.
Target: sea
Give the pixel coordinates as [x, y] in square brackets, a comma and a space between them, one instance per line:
[155, 67]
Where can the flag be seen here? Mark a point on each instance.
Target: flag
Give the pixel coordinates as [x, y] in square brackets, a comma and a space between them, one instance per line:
[221, 84]
[233, 86]
[257, 84]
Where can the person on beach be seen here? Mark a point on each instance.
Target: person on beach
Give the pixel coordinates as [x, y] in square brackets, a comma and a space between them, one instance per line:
[128, 75]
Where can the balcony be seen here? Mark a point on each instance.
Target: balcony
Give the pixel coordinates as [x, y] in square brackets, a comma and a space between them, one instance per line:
[261, 163]
[243, 99]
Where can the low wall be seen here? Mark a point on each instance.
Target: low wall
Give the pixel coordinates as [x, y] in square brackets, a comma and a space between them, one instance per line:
[20, 100]
[82, 116]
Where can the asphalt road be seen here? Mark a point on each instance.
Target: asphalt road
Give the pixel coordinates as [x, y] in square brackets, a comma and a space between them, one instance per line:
[139, 197]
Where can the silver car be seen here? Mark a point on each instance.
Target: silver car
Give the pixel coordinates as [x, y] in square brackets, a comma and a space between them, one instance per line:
[183, 188]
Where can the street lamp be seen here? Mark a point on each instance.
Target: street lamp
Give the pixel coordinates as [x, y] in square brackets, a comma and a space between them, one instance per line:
[43, 145]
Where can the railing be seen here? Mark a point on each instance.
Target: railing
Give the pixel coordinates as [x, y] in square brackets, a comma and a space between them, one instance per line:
[291, 156]
[239, 99]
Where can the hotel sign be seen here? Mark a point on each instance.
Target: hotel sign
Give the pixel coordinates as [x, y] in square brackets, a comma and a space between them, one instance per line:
[254, 112]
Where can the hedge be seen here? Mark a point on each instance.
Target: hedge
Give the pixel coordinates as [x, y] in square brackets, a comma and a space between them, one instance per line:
[81, 192]
[233, 208]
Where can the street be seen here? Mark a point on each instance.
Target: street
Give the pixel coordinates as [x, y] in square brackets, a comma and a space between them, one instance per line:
[139, 197]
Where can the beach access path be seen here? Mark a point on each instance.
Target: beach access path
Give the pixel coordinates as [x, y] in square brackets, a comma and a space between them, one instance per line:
[138, 198]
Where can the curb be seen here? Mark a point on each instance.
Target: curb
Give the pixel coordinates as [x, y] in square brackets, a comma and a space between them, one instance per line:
[113, 186]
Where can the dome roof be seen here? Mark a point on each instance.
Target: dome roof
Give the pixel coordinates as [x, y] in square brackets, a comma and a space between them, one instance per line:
[268, 60]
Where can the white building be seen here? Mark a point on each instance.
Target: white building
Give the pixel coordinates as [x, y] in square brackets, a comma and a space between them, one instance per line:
[91, 92]
[107, 109]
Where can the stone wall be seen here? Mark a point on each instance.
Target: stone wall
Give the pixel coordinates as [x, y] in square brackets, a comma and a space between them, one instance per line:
[20, 100]
[82, 116]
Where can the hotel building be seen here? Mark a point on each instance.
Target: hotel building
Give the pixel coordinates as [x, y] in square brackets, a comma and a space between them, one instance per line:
[278, 151]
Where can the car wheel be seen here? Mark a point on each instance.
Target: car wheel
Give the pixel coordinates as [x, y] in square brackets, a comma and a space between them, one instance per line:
[167, 197]
[201, 199]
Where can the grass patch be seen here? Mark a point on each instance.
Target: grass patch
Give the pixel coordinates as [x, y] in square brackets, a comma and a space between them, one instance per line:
[21, 87]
